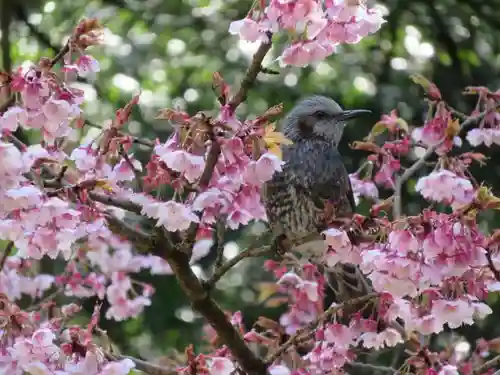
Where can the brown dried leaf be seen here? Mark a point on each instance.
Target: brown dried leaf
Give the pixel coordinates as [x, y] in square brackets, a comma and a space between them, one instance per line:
[273, 111]
[178, 117]
[365, 146]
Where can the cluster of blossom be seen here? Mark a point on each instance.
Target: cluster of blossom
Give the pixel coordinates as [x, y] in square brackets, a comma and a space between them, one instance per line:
[488, 131]
[34, 346]
[50, 206]
[306, 294]
[432, 274]
[318, 26]
[362, 188]
[439, 131]
[447, 187]
[428, 271]
[233, 190]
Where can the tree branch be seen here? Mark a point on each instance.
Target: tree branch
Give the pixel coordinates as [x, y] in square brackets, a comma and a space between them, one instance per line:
[6, 254]
[202, 302]
[250, 75]
[116, 202]
[366, 366]
[224, 268]
[121, 228]
[144, 366]
[5, 21]
[295, 339]
[4, 106]
[247, 82]
[493, 269]
[487, 365]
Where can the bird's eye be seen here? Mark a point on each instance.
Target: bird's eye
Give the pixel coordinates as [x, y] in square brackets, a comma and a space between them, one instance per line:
[320, 114]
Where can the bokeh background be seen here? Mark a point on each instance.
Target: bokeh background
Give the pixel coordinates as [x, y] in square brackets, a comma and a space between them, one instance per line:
[169, 50]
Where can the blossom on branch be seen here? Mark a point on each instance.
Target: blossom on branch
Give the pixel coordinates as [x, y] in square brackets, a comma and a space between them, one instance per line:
[318, 26]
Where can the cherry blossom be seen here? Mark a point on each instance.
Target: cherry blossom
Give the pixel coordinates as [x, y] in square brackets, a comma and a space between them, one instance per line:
[98, 208]
[362, 188]
[318, 27]
[446, 186]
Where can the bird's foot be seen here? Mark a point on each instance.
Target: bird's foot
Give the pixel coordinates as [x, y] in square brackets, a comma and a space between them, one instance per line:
[281, 245]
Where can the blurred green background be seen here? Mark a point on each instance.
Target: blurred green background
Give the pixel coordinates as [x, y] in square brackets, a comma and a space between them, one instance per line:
[169, 50]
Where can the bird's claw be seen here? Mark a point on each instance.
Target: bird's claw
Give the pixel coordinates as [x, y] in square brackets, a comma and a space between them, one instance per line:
[281, 245]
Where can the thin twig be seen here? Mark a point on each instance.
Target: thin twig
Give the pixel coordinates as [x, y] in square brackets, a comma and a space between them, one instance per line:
[215, 150]
[220, 229]
[311, 326]
[138, 177]
[367, 366]
[6, 254]
[493, 269]
[46, 299]
[138, 237]
[4, 106]
[224, 268]
[98, 197]
[487, 365]
[59, 55]
[140, 141]
[397, 207]
[147, 367]
[213, 156]
[251, 74]
[116, 202]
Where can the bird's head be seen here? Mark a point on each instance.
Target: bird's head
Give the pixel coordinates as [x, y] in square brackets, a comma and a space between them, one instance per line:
[318, 117]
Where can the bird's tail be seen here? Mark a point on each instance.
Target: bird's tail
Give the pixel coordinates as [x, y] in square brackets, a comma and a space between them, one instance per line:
[345, 282]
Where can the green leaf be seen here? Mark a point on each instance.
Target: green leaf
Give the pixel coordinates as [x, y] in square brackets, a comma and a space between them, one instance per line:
[402, 124]
[421, 81]
[377, 129]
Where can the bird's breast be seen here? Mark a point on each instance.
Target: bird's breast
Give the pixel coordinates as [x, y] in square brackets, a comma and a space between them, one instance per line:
[290, 212]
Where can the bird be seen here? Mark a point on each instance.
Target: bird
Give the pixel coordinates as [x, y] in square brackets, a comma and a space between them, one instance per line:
[313, 178]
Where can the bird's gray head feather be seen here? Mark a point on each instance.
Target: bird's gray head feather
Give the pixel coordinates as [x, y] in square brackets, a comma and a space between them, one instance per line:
[317, 117]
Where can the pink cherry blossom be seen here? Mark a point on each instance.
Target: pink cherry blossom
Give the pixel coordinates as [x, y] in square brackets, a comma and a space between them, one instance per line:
[123, 171]
[387, 338]
[319, 28]
[446, 186]
[486, 136]
[220, 366]
[249, 30]
[363, 188]
[12, 165]
[11, 119]
[454, 312]
[279, 370]
[191, 166]
[434, 133]
[431, 271]
[21, 198]
[174, 216]
[262, 170]
[304, 53]
[85, 158]
[122, 307]
[448, 370]
[87, 64]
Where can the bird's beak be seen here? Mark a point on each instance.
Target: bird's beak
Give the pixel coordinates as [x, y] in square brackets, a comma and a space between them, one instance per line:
[349, 114]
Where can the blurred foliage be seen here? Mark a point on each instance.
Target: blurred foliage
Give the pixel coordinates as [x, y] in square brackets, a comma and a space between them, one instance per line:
[169, 50]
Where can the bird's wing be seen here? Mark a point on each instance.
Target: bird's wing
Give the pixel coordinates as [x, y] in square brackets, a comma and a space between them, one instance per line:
[329, 189]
